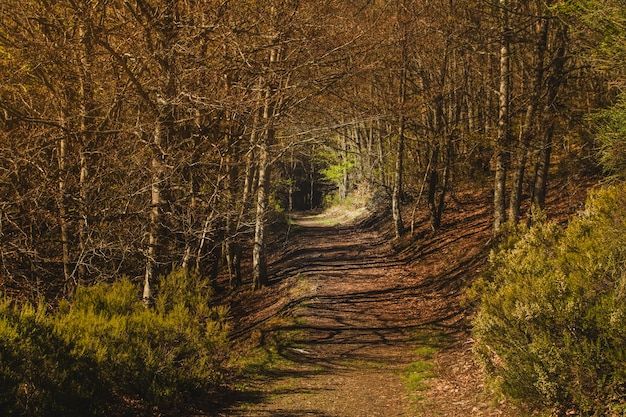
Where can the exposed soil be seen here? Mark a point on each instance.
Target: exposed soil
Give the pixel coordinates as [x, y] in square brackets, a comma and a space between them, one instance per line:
[363, 307]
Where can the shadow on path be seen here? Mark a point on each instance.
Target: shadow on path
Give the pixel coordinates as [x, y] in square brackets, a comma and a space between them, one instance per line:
[355, 319]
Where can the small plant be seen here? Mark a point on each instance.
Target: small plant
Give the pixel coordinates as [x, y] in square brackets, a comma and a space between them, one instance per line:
[38, 374]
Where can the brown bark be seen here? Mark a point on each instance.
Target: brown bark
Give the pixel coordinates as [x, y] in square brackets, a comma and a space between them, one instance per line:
[555, 80]
[63, 218]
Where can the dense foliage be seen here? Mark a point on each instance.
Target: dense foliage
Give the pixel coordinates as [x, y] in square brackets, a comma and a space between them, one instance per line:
[551, 328]
[106, 351]
[612, 137]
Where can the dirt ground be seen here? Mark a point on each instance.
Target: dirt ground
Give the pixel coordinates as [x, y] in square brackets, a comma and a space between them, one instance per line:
[365, 308]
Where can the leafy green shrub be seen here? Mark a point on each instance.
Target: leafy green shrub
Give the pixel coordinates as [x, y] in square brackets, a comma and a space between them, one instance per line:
[551, 327]
[105, 349]
[38, 376]
[160, 356]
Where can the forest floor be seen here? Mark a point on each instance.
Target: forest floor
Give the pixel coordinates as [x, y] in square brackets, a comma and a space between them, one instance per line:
[360, 325]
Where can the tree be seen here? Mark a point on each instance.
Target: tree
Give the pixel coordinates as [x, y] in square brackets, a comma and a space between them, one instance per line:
[504, 123]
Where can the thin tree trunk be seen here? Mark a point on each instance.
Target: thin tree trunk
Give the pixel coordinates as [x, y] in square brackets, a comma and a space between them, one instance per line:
[503, 139]
[63, 218]
[343, 185]
[530, 128]
[397, 184]
[541, 171]
[259, 252]
[157, 191]
[441, 201]
[87, 126]
[554, 84]
[433, 181]
[231, 245]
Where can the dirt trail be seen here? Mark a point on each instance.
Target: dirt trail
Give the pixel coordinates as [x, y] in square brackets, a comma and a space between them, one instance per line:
[360, 307]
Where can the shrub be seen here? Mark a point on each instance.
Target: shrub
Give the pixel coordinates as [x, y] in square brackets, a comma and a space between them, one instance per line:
[38, 376]
[106, 350]
[160, 356]
[551, 327]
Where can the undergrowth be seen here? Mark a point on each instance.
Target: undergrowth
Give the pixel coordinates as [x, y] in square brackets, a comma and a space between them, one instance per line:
[551, 327]
[105, 353]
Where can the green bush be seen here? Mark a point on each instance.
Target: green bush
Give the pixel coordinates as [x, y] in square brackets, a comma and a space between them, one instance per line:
[551, 327]
[38, 376]
[160, 356]
[106, 351]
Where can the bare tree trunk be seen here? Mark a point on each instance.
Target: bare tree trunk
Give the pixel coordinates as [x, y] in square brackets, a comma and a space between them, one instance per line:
[441, 201]
[541, 171]
[343, 184]
[433, 181]
[554, 84]
[232, 251]
[157, 188]
[397, 184]
[259, 252]
[63, 218]
[88, 136]
[503, 139]
[193, 207]
[530, 128]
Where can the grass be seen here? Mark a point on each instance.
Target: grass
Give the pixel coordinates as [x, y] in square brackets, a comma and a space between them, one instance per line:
[416, 374]
[267, 349]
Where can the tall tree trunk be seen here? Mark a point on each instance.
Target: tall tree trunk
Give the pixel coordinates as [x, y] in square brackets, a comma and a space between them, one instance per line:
[190, 241]
[441, 200]
[157, 188]
[397, 184]
[396, 194]
[343, 184]
[503, 140]
[530, 127]
[541, 171]
[165, 36]
[433, 181]
[63, 217]
[259, 253]
[232, 251]
[88, 136]
[555, 80]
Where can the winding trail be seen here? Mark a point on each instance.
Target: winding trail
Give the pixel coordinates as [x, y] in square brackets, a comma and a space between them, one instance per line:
[362, 311]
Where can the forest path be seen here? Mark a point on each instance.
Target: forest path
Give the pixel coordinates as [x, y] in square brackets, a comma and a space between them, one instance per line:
[364, 314]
